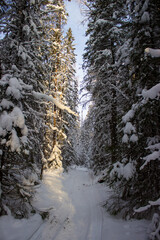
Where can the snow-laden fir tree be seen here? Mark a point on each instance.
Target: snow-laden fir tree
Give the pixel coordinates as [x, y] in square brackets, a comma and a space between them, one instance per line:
[33, 69]
[106, 33]
[21, 116]
[54, 18]
[70, 122]
[86, 141]
[137, 174]
[123, 78]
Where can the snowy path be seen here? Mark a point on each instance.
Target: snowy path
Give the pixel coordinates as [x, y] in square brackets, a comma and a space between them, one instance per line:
[75, 201]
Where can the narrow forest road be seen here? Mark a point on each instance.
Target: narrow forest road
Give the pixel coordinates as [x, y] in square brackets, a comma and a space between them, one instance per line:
[74, 200]
[77, 213]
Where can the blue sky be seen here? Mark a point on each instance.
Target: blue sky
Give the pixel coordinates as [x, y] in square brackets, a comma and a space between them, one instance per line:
[78, 29]
[75, 20]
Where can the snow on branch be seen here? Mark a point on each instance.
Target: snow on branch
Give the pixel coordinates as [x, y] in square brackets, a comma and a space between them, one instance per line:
[123, 170]
[145, 208]
[151, 157]
[128, 116]
[152, 93]
[118, 90]
[142, 209]
[155, 203]
[38, 95]
[154, 53]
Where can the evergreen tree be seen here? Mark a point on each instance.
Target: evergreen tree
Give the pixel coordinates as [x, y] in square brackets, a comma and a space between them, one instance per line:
[86, 141]
[121, 79]
[141, 122]
[34, 63]
[70, 122]
[21, 117]
[105, 34]
[53, 20]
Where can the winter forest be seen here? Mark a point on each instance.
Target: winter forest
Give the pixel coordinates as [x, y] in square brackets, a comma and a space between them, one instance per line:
[116, 147]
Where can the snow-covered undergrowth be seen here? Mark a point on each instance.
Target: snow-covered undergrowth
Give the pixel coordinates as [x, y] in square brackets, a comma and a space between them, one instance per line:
[74, 201]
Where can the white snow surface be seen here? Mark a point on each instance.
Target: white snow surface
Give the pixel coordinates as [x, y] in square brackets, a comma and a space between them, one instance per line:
[74, 200]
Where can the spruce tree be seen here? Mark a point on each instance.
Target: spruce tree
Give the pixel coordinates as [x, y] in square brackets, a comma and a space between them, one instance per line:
[21, 117]
[54, 18]
[136, 176]
[70, 122]
[105, 34]
[122, 72]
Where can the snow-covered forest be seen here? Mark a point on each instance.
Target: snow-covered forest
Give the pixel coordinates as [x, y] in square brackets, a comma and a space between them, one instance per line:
[41, 135]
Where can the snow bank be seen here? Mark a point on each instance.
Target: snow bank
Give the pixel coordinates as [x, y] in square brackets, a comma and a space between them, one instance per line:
[75, 205]
[14, 229]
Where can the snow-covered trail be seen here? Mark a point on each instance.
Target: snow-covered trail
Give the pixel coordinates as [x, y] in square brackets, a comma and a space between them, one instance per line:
[86, 220]
[78, 212]
[74, 200]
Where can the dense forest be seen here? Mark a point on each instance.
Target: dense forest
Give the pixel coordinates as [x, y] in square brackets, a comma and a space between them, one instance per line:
[39, 120]
[38, 101]
[122, 128]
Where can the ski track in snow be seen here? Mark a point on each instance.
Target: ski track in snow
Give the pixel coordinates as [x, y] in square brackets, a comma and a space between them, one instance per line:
[75, 201]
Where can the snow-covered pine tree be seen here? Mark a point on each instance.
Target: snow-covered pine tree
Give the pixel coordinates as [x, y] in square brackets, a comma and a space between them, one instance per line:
[70, 122]
[54, 18]
[106, 19]
[86, 141]
[21, 116]
[32, 69]
[137, 172]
